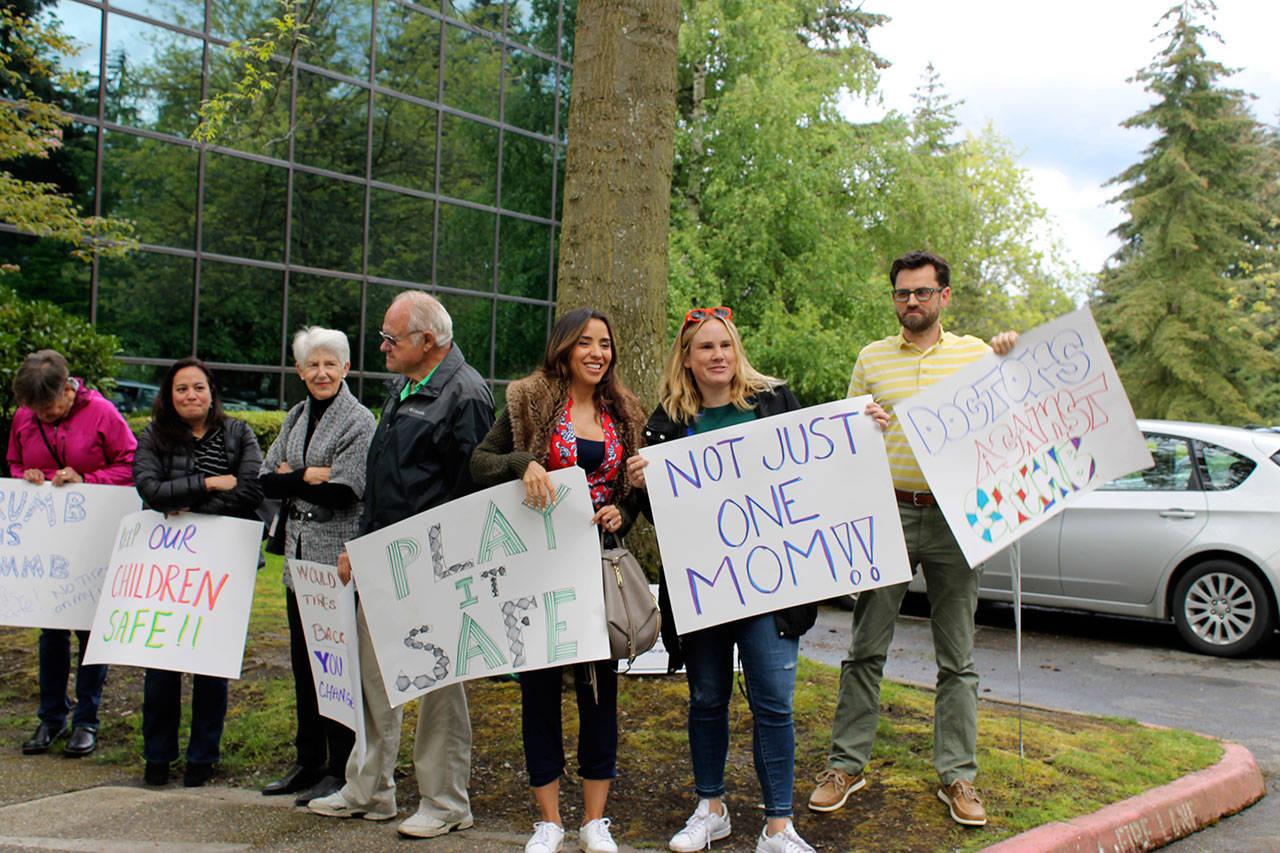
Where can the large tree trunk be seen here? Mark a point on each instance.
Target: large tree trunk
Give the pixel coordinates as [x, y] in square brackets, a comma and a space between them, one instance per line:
[613, 242]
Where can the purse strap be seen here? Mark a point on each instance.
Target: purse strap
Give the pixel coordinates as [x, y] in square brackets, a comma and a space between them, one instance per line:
[617, 540]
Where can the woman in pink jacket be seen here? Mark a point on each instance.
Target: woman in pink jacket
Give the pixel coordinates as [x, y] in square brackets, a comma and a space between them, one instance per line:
[66, 433]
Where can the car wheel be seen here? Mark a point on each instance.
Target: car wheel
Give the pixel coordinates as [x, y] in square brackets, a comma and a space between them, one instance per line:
[1221, 608]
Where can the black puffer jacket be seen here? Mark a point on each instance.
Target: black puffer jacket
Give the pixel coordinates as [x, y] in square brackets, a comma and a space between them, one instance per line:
[790, 621]
[421, 452]
[169, 481]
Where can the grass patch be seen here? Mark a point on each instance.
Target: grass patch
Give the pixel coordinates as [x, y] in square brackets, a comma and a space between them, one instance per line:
[1072, 765]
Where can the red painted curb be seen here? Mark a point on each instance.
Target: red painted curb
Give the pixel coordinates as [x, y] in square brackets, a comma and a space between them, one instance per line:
[1157, 817]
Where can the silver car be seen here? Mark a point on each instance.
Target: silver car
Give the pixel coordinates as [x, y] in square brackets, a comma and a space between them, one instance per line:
[1195, 538]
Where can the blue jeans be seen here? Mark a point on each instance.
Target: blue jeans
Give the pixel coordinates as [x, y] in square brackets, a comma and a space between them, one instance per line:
[769, 670]
[162, 711]
[55, 669]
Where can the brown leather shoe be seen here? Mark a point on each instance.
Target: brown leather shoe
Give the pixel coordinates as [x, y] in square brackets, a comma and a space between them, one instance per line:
[834, 788]
[965, 805]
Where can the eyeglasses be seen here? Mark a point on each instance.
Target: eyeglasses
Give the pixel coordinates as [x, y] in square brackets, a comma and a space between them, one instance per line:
[922, 294]
[395, 339]
[697, 315]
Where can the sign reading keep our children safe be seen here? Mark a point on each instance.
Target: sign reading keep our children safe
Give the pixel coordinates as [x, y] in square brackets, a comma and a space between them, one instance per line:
[483, 585]
[54, 546]
[177, 593]
[1009, 441]
[776, 512]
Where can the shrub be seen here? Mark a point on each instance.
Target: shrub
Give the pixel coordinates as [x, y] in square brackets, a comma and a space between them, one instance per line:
[265, 425]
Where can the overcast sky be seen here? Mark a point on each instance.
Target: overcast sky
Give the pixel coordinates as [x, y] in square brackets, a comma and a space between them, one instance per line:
[1051, 77]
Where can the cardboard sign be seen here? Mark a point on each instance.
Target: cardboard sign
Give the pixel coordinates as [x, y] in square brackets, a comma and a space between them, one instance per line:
[328, 611]
[177, 593]
[483, 585]
[54, 548]
[777, 512]
[1009, 441]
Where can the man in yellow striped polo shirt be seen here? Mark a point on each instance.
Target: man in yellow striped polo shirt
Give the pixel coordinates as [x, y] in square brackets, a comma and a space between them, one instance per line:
[891, 370]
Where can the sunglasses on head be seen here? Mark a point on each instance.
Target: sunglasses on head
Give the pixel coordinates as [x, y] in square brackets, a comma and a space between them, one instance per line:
[697, 315]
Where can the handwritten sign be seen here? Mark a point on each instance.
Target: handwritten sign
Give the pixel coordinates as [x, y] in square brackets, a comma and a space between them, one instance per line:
[1008, 442]
[777, 512]
[328, 610]
[483, 585]
[54, 548]
[177, 593]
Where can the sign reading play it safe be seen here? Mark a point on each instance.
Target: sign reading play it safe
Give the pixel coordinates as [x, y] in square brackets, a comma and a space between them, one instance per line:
[777, 512]
[177, 593]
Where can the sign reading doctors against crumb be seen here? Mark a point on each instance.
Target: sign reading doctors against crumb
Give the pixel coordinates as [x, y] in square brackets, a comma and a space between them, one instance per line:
[177, 593]
[483, 585]
[785, 510]
[1009, 441]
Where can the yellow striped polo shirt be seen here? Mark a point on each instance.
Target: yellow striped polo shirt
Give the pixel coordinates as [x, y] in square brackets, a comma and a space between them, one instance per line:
[893, 369]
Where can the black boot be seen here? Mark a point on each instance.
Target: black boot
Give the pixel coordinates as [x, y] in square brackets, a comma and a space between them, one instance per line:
[298, 778]
[81, 743]
[44, 736]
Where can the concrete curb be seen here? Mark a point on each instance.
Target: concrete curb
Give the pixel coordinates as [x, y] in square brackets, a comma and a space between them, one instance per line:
[1154, 818]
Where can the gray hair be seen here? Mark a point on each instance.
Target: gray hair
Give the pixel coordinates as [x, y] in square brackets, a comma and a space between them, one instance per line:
[313, 338]
[426, 313]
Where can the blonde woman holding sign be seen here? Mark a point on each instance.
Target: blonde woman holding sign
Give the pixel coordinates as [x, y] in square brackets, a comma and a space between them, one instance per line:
[573, 411]
[709, 384]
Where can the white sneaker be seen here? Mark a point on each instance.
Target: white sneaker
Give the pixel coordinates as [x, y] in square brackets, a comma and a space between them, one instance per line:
[423, 825]
[703, 827]
[787, 841]
[594, 837]
[547, 838]
[336, 805]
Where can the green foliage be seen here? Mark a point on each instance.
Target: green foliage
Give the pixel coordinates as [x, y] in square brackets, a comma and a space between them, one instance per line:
[27, 326]
[1197, 223]
[265, 425]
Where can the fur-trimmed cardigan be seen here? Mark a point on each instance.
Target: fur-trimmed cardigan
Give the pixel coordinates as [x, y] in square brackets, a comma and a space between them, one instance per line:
[522, 434]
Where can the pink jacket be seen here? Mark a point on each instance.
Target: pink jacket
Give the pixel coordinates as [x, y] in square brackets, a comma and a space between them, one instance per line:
[93, 439]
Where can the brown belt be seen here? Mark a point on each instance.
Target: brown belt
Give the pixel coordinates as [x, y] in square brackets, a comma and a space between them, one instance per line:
[915, 498]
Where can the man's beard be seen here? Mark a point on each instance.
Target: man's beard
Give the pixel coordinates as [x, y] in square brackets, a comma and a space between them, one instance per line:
[918, 322]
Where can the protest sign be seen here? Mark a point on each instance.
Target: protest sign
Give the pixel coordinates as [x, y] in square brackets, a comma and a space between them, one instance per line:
[790, 509]
[483, 585]
[177, 593]
[54, 546]
[1009, 441]
[328, 611]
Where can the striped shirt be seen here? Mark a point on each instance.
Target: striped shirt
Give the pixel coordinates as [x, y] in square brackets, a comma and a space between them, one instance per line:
[893, 369]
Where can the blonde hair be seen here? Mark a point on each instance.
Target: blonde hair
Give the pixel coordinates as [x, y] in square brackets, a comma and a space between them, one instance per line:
[679, 392]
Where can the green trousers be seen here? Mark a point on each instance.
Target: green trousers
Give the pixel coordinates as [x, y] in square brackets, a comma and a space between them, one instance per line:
[953, 596]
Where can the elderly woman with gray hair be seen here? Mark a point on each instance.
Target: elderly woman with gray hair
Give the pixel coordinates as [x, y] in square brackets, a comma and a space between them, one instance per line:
[316, 466]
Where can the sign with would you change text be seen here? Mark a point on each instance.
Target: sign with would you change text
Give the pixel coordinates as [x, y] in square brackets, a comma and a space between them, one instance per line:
[54, 547]
[483, 585]
[776, 512]
[177, 593]
[1009, 441]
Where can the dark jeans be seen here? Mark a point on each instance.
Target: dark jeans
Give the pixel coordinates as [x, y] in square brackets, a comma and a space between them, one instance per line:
[322, 743]
[769, 671]
[162, 711]
[55, 669]
[543, 731]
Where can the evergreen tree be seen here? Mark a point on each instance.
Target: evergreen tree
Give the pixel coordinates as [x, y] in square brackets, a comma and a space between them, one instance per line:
[1195, 222]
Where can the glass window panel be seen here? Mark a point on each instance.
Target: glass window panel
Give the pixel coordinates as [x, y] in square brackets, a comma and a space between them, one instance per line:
[244, 205]
[534, 23]
[568, 19]
[333, 303]
[524, 258]
[1170, 471]
[400, 228]
[408, 51]
[186, 13]
[468, 160]
[332, 124]
[376, 305]
[328, 223]
[245, 389]
[153, 76]
[260, 126]
[240, 313]
[465, 255]
[339, 34]
[530, 92]
[83, 24]
[1223, 469]
[486, 14]
[522, 339]
[154, 184]
[136, 387]
[47, 270]
[146, 300]
[404, 143]
[471, 65]
[526, 174]
[472, 327]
